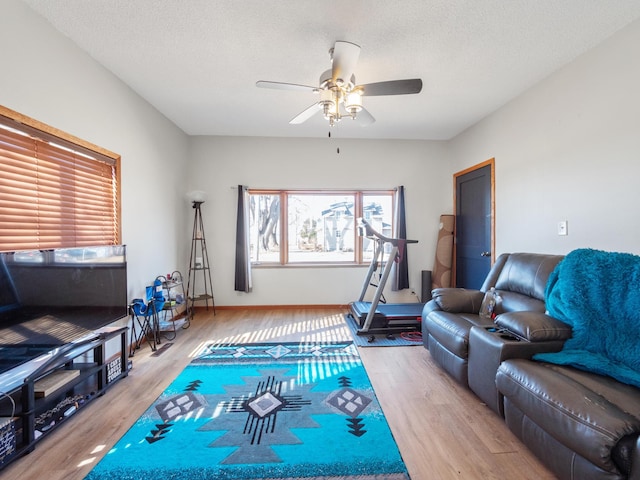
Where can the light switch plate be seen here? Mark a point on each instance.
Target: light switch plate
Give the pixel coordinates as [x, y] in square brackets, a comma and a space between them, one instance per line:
[562, 228]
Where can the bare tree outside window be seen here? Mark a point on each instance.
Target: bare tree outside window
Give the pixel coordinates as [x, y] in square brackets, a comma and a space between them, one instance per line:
[264, 228]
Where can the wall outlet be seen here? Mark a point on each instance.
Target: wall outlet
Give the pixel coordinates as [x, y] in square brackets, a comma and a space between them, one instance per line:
[563, 228]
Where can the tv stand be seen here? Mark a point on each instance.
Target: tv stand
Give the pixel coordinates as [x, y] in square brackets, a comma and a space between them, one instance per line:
[40, 395]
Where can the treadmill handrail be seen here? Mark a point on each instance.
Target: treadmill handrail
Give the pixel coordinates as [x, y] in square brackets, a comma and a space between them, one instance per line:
[372, 232]
[398, 245]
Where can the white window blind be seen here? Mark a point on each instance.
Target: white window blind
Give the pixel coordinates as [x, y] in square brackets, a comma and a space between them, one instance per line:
[53, 193]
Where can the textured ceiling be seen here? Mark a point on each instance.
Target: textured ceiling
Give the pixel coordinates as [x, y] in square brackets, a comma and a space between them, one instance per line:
[197, 61]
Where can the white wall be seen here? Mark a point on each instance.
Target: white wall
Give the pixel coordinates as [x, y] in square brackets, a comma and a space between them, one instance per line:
[53, 81]
[219, 164]
[46, 77]
[568, 149]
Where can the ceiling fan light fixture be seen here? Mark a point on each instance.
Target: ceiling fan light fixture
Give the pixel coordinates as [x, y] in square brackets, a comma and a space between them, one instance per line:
[328, 104]
[353, 102]
[331, 112]
[326, 97]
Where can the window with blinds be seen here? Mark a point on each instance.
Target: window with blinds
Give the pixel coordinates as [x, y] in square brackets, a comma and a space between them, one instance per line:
[54, 193]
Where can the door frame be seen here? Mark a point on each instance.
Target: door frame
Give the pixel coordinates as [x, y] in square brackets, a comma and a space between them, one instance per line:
[492, 163]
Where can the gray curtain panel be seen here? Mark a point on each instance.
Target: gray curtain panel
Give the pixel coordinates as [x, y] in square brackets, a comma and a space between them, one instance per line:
[400, 278]
[243, 259]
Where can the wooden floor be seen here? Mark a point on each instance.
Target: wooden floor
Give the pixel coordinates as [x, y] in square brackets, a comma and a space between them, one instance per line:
[443, 430]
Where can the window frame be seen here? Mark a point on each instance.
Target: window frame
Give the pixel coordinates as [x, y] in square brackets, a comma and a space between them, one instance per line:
[81, 149]
[283, 226]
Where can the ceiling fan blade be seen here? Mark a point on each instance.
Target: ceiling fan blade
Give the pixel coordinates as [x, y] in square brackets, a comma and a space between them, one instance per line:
[345, 58]
[306, 114]
[393, 87]
[364, 118]
[283, 86]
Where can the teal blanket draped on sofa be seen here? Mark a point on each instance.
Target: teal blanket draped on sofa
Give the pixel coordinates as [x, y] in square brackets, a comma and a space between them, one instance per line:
[598, 294]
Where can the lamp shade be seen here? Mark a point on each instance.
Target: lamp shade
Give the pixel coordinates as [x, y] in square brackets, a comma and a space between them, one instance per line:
[353, 102]
[196, 196]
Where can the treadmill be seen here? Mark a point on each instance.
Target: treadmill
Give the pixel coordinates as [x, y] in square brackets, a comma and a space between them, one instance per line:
[377, 317]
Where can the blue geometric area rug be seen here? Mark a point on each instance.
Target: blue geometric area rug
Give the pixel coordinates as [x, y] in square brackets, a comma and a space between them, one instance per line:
[262, 411]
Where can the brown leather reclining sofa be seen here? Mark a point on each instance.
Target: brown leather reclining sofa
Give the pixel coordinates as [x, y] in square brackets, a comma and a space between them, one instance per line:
[580, 424]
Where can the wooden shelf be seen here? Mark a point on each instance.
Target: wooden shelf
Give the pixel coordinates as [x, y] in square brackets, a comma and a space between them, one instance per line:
[53, 381]
[53, 390]
[202, 296]
[199, 279]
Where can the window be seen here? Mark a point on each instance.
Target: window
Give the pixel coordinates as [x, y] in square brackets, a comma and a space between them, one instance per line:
[55, 191]
[320, 227]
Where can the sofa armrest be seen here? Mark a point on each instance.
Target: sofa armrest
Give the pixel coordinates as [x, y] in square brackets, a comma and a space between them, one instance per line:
[489, 346]
[634, 473]
[458, 300]
[429, 307]
[534, 326]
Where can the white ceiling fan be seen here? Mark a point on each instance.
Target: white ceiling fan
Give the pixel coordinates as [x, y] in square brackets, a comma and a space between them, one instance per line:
[340, 95]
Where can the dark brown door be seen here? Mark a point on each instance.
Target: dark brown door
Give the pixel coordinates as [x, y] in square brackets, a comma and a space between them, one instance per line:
[474, 224]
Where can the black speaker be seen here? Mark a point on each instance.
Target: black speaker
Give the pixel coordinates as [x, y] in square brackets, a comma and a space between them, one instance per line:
[425, 294]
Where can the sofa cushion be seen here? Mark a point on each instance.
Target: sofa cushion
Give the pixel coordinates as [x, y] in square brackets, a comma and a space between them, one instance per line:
[527, 274]
[588, 413]
[516, 302]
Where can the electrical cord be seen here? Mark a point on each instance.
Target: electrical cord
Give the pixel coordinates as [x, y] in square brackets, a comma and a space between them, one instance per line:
[411, 336]
[13, 403]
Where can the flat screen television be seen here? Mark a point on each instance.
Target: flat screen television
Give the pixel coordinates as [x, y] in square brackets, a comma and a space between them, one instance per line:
[55, 296]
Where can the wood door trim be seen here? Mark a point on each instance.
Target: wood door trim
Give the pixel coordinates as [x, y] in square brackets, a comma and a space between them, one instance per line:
[492, 163]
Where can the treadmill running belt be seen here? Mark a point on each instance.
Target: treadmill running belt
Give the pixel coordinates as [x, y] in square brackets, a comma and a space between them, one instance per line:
[388, 318]
[391, 311]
